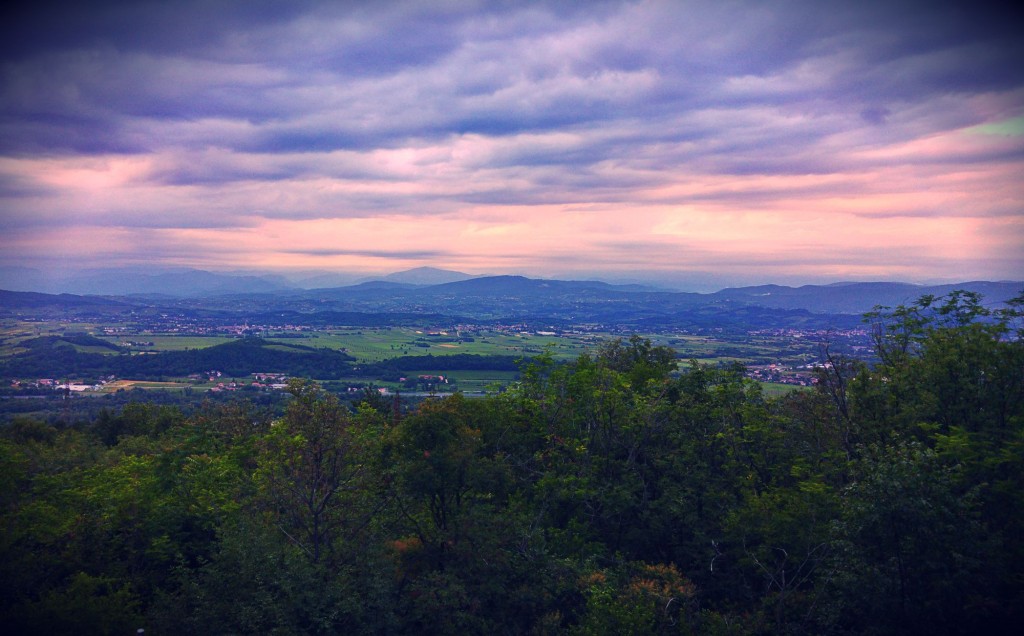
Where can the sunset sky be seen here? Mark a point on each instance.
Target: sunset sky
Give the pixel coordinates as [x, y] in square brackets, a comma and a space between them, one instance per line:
[711, 143]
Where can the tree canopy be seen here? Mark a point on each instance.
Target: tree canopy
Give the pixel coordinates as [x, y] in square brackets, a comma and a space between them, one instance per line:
[614, 494]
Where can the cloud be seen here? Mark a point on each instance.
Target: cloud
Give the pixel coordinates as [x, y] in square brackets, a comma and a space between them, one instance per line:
[387, 254]
[548, 123]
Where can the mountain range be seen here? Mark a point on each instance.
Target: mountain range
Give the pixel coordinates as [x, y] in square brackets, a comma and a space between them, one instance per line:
[504, 298]
[517, 297]
[197, 282]
[437, 287]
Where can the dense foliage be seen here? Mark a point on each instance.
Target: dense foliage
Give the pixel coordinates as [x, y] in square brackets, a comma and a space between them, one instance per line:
[611, 495]
[53, 356]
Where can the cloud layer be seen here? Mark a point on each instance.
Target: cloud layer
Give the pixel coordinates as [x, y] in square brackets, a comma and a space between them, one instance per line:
[756, 142]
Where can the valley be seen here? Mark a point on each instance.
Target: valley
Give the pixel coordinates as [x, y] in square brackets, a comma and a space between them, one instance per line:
[470, 336]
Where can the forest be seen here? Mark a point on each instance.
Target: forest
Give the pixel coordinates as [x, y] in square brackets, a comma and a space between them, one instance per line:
[57, 356]
[615, 494]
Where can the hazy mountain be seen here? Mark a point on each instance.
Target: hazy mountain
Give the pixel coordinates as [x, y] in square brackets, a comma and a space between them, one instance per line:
[426, 276]
[31, 300]
[857, 298]
[494, 287]
[416, 276]
[521, 285]
[384, 286]
[27, 279]
[323, 280]
[504, 296]
[519, 298]
[183, 282]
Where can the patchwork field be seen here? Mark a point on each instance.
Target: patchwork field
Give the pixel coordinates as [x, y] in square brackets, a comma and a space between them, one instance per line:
[369, 345]
[118, 385]
[376, 345]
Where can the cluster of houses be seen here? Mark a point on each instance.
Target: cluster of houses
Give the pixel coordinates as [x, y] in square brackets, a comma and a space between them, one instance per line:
[58, 385]
[268, 381]
[780, 374]
[275, 381]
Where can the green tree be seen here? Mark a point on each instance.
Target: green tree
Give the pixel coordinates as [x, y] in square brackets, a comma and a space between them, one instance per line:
[909, 545]
[312, 470]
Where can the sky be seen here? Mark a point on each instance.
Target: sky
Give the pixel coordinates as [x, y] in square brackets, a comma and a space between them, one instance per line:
[706, 143]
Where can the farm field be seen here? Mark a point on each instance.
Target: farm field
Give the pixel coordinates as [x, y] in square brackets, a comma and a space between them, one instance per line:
[471, 380]
[776, 389]
[376, 345]
[369, 344]
[168, 342]
[15, 332]
[784, 354]
[124, 385]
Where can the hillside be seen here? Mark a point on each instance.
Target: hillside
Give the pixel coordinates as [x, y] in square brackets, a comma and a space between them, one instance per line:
[51, 356]
[521, 299]
[858, 298]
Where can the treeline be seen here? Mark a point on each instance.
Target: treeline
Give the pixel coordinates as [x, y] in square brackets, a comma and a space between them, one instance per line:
[82, 414]
[606, 496]
[56, 357]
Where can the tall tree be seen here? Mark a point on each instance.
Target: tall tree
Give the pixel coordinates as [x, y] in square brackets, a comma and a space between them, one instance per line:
[311, 472]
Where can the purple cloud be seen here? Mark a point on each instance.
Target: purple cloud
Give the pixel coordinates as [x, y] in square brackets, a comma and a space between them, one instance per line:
[237, 114]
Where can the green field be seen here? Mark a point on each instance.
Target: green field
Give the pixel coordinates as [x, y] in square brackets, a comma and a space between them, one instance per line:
[133, 384]
[375, 345]
[378, 344]
[13, 333]
[169, 342]
[775, 389]
[90, 349]
[473, 381]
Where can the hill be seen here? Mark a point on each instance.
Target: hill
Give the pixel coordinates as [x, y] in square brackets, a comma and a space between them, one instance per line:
[52, 356]
[858, 298]
[522, 299]
[10, 300]
[427, 276]
[123, 282]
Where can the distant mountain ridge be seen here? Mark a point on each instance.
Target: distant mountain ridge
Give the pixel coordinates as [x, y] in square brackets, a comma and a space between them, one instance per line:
[188, 282]
[427, 276]
[31, 300]
[520, 298]
[496, 297]
[125, 282]
[858, 298]
[522, 284]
